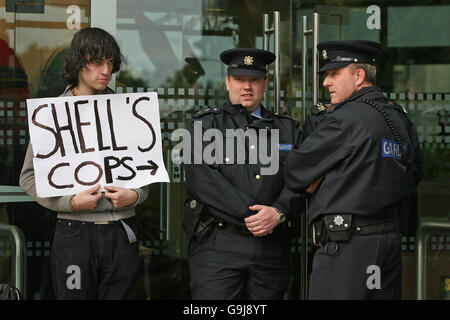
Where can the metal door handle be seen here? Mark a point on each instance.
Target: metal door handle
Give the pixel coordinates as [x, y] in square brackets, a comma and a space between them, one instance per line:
[305, 33]
[168, 196]
[304, 225]
[303, 219]
[316, 59]
[276, 38]
[266, 34]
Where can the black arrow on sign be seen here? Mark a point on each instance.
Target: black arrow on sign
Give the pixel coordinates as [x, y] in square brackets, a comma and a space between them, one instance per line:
[153, 166]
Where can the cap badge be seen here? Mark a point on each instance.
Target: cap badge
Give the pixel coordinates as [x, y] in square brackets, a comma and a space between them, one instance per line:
[324, 54]
[338, 220]
[248, 60]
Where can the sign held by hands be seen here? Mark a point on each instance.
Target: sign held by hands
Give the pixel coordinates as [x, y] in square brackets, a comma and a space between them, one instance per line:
[80, 141]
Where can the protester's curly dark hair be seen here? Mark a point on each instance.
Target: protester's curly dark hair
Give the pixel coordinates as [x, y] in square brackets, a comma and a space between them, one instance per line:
[88, 45]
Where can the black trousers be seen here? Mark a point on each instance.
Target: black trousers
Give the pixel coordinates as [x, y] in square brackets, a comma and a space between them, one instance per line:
[227, 266]
[366, 267]
[94, 261]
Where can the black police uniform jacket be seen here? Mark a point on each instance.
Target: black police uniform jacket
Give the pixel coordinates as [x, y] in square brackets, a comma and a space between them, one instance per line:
[313, 119]
[229, 188]
[353, 147]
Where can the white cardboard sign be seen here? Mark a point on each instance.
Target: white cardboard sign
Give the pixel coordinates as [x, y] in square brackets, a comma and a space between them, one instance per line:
[81, 141]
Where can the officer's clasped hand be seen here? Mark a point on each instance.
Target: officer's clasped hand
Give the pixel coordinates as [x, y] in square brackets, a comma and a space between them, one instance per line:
[263, 222]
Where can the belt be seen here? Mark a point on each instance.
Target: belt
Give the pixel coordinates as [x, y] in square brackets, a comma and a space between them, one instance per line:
[69, 222]
[130, 233]
[234, 228]
[227, 226]
[387, 215]
[385, 221]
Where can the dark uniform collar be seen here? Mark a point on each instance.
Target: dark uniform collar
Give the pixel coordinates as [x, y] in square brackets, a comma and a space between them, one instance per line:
[234, 108]
[266, 114]
[361, 92]
[242, 117]
[354, 96]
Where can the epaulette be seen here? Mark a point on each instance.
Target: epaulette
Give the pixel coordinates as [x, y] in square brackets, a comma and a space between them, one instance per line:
[206, 111]
[398, 107]
[320, 108]
[280, 115]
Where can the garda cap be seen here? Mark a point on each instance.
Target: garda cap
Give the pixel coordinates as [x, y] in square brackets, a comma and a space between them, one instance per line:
[338, 54]
[247, 62]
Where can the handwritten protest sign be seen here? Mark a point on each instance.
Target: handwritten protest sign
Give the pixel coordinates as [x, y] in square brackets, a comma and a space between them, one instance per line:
[82, 141]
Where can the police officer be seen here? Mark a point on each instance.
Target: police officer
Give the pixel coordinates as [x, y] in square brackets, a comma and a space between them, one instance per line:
[240, 246]
[364, 152]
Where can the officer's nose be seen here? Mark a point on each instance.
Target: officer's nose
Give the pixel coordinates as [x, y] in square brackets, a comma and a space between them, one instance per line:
[326, 81]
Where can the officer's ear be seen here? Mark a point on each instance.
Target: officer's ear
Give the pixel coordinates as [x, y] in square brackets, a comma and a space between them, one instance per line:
[266, 82]
[360, 76]
[227, 82]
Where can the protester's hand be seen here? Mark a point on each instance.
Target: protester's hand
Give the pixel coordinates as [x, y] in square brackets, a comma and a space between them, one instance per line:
[263, 222]
[313, 186]
[120, 197]
[86, 200]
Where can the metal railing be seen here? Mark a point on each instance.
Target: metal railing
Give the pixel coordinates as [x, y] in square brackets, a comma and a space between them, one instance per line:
[13, 194]
[19, 255]
[423, 232]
